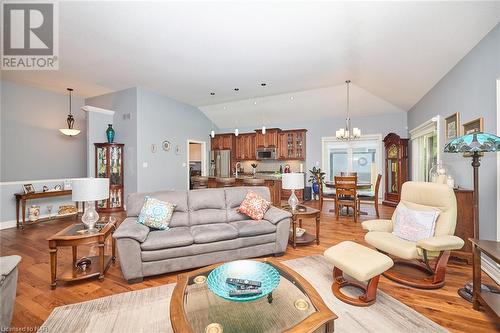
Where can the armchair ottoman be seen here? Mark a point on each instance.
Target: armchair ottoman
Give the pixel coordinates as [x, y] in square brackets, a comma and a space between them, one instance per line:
[361, 263]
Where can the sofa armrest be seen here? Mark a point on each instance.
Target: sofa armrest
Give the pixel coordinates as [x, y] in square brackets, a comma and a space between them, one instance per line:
[377, 225]
[129, 228]
[441, 243]
[275, 215]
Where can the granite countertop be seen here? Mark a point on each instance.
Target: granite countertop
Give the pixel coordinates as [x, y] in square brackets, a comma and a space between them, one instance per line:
[266, 176]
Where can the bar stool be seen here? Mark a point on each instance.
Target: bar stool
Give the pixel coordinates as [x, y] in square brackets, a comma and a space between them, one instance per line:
[199, 182]
[225, 182]
[254, 182]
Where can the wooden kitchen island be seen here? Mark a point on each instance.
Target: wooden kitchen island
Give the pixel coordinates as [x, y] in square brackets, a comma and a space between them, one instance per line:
[273, 182]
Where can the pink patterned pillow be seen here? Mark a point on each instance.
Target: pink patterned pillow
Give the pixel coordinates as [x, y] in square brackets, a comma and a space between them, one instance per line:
[414, 225]
[254, 206]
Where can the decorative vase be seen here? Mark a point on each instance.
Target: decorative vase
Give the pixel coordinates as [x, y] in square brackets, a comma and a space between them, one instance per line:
[110, 133]
[315, 187]
[254, 170]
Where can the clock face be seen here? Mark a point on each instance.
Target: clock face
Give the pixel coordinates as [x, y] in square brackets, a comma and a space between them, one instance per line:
[392, 152]
[166, 145]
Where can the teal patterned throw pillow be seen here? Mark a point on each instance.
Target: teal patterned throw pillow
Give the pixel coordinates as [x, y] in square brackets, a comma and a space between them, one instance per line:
[156, 213]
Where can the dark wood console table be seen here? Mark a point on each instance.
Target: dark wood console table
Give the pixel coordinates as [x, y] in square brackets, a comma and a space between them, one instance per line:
[22, 198]
[490, 301]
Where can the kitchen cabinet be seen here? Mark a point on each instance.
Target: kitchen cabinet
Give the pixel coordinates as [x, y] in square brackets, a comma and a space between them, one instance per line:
[245, 147]
[268, 140]
[292, 145]
[223, 142]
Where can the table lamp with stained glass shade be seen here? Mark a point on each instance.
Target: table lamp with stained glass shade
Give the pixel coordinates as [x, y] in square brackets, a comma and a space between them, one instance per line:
[474, 144]
[90, 190]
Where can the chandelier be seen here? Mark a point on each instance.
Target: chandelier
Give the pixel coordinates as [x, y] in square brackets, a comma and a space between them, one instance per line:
[347, 133]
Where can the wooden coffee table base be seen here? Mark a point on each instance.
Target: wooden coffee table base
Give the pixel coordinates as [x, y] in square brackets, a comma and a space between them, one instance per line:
[370, 291]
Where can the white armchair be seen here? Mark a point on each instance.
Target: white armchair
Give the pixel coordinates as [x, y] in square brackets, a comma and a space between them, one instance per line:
[418, 255]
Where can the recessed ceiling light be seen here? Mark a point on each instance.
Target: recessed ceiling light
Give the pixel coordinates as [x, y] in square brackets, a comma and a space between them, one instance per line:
[224, 107]
[263, 84]
[255, 103]
[291, 97]
[212, 93]
[236, 89]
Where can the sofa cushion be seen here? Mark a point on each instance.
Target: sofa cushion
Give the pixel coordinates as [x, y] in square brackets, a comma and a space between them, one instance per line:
[156, 214]
[247, 228]
[180, 218]
[254, 206]
[234, 197]
[199, 249]
[164, 239]
[207, 199]
[213, 233]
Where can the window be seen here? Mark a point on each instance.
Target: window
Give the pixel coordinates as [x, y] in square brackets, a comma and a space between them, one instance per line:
[424, 151]
[363, 156]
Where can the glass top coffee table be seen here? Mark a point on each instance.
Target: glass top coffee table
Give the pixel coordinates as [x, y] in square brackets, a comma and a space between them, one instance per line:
[295, 307]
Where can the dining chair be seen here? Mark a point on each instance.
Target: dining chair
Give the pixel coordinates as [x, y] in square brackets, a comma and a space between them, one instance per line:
[370, 196]
[326, 196]
[345, 174]
[346, 192]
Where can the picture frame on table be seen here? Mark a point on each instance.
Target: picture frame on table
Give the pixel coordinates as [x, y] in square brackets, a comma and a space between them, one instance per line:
[452, 127]
[29, 188]
[476, 125]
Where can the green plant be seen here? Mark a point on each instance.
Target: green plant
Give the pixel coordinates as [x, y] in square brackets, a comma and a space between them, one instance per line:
[254, 165]
[316, 174]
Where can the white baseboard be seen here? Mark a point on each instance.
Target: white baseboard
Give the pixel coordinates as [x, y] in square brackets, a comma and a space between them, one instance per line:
[8, 224]
[491, 268]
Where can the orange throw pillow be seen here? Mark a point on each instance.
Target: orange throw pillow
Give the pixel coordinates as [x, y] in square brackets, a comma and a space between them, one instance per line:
[254, 206]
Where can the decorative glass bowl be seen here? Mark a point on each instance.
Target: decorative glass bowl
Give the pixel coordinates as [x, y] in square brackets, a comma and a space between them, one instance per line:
[243, 269]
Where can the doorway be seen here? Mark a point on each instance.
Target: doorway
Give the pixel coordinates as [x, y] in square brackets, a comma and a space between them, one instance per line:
[196, 160]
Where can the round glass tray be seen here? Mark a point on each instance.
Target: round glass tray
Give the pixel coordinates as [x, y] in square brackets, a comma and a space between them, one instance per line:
[243, 269]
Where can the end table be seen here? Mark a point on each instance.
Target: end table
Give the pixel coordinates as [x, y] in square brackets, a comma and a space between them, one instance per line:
[300, 213]
[74, 236]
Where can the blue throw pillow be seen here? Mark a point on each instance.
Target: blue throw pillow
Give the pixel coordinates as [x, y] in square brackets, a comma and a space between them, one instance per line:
[156, 214]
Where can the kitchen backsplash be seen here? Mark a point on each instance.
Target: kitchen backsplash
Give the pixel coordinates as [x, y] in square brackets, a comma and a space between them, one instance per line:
[263, 166]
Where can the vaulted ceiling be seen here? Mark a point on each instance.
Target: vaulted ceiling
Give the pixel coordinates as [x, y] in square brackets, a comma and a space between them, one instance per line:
[392, 51]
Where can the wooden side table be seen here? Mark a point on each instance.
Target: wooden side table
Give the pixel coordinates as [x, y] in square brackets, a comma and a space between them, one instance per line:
[303, 212]
[490, 301]
[22, 198]
[74, 236]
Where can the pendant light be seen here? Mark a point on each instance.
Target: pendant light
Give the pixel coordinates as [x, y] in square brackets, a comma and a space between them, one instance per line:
[262, 112]
[347, 133]
[212, 132]
[236, 130]
[70, 131]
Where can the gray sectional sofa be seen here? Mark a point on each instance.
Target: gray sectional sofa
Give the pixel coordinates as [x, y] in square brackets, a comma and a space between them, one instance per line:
[205, 229]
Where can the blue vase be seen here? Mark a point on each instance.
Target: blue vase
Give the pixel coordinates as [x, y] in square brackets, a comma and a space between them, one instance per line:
[110, 133]
[315, 188]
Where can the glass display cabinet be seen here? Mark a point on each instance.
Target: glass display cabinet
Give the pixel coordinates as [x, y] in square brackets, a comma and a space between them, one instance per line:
[109, 164]
[396, 167]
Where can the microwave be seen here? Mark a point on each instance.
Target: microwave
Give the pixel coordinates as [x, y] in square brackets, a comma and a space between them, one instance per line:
[266, 153]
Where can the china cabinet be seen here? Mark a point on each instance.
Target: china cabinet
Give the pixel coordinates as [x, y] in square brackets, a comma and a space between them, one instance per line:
[396, 167]
[109, 164]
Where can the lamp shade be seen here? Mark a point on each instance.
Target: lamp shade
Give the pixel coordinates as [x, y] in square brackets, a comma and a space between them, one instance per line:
[474, 142]
[292, 181]
[90, 189]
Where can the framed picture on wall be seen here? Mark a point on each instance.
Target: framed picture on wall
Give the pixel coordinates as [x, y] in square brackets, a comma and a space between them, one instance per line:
[476, 125]
[452, 126]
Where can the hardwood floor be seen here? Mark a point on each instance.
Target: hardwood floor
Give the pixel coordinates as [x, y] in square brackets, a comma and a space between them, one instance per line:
[35, 300]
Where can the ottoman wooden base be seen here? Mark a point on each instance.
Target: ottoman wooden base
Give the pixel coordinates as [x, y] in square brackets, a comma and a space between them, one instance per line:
[370, 291]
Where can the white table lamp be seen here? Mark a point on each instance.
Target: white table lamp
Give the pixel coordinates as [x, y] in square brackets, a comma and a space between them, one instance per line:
[89, 190]
[293, 181]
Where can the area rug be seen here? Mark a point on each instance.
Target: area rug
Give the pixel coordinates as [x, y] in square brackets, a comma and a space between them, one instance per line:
[148, 310]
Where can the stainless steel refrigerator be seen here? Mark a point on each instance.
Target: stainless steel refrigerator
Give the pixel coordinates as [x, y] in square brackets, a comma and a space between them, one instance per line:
[220, 163]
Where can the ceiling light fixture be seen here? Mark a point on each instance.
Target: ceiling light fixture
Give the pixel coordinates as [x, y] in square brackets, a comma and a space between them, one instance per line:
[70, 131]
[262, 111]
[347, 133]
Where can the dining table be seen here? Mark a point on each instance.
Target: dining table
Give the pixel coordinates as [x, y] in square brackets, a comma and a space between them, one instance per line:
[360, 185]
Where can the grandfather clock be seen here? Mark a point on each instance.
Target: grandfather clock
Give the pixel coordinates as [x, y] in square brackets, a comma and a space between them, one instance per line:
[396, 167]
